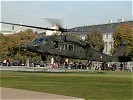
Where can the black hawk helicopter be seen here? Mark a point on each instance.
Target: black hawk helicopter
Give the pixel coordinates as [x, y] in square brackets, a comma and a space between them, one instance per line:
[64, 46]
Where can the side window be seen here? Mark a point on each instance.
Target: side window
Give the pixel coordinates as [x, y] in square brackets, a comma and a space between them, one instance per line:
[56, 44]
[71, 47]
[64, 46]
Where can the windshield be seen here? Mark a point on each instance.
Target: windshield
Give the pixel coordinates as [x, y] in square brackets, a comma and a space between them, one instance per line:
[40, 40]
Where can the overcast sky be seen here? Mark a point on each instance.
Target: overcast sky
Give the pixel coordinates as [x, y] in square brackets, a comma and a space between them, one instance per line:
[72, 13]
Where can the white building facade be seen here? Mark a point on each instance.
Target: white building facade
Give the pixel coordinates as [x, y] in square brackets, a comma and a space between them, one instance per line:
[108, 43]
[107, 31]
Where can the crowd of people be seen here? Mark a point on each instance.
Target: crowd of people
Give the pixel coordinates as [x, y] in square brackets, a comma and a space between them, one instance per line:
[90, 66]
[12, 63]
[71, 65]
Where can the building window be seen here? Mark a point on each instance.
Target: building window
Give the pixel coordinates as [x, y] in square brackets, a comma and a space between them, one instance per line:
[103, 36]
[110, 45]
[106, 36]
[105, 47]
[110, 36]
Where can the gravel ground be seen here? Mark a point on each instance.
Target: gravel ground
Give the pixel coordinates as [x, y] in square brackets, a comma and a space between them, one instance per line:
[17, 94]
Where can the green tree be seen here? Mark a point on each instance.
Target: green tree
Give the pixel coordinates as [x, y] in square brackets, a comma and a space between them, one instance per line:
[122, 33]
[73, 36]
[15, 41]
[2, 46]
[10, 45]
[95, 39]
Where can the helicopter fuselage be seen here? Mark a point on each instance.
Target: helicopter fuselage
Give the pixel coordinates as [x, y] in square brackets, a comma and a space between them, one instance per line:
[64, 47]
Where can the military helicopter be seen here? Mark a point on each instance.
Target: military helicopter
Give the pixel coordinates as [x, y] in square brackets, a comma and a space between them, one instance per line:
[64, 46]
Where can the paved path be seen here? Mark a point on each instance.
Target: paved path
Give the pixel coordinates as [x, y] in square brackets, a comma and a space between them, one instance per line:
[17, 94]
[40, 69]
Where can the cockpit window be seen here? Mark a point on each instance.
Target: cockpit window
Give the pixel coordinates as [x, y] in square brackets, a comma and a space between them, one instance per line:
[40, 40]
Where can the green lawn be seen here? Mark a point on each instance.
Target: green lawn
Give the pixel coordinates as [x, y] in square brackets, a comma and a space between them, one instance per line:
[87, 85]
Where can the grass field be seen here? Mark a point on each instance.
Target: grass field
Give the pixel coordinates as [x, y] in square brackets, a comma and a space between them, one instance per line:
[87, 85]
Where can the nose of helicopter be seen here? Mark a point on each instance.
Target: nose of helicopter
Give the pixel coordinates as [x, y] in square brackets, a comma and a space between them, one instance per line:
[30, 47]
[27, 46]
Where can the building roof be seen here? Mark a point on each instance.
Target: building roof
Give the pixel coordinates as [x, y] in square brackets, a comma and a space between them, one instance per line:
[10, 32]
[104, 28]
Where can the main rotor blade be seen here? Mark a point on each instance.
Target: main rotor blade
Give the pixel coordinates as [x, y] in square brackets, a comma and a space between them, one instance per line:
[57, 22]
[60, 29]
[30, 26]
